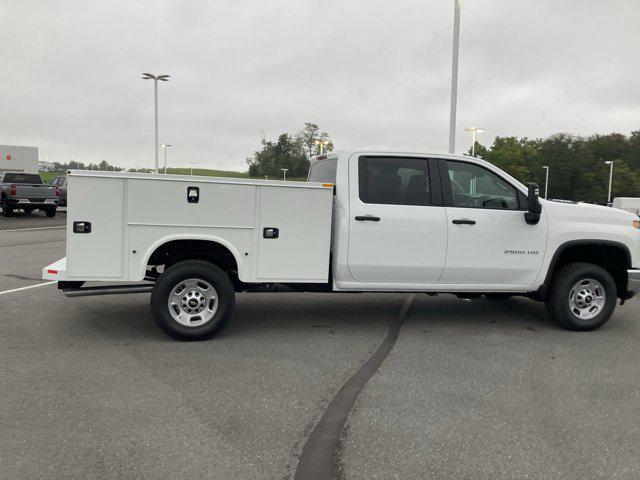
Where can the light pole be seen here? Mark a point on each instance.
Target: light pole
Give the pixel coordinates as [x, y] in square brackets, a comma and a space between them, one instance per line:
[165, 146]
[155, 78]
[474, 132]
[284, 173]
[192, 169]
[610, 163]
[454, 76]
[546, 181]
[321, 144]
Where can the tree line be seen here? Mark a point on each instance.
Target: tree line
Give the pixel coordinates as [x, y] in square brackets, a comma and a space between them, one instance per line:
[103, 165]
[290, 152]
[577, 169]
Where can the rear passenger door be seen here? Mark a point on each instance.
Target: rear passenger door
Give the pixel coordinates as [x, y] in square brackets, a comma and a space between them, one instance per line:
[397, 221]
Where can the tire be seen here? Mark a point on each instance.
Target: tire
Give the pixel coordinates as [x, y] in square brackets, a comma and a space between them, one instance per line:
[585, 289]
[6, 210]
[50, 211]
[196, 313]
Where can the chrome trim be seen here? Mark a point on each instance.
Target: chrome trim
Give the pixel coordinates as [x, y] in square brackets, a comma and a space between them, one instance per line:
[633, 280]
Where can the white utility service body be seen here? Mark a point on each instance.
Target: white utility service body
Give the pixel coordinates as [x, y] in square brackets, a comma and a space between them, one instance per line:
[365, 221]
[131, 215]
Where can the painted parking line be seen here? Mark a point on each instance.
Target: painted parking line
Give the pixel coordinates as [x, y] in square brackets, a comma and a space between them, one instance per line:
[28, 229]
[27, 288]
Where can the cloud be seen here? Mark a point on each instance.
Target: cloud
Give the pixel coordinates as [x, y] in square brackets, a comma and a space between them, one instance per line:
[371, 73]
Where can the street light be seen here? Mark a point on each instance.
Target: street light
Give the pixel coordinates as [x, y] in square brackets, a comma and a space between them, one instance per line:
[284, 173]
[454, 76]
[546, 181]
[474, 132]
[165, 146]
[155, 78]
[192, 164]
[321, 144]
[610, 163]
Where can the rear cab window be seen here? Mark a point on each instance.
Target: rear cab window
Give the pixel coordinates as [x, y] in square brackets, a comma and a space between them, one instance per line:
[323, 171]
[32, 178]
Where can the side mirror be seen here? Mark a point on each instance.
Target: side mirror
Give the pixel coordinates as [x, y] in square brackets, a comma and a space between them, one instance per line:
[532, 216]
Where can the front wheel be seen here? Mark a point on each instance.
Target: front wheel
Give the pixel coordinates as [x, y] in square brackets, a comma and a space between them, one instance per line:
[50, 211]
[583, 296]
[193, 300]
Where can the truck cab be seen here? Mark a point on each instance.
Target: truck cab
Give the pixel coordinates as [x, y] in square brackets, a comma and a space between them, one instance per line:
[444, 223]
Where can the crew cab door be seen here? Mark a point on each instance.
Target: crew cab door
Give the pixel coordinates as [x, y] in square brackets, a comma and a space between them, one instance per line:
[489, 241]
[397, 223]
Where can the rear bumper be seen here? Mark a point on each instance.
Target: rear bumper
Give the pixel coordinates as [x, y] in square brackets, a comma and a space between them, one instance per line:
[25, 202]
[56, 271]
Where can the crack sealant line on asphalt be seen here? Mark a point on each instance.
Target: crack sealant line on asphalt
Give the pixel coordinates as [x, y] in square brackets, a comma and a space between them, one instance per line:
[319, 453]
[27, 288]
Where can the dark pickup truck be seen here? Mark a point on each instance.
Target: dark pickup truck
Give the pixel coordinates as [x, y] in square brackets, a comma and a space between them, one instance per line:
[27, 191]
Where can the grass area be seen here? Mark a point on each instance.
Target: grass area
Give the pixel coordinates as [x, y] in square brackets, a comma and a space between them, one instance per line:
[48, 176]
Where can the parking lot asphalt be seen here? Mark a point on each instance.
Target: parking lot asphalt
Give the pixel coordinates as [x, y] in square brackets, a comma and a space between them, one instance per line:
[472, 389]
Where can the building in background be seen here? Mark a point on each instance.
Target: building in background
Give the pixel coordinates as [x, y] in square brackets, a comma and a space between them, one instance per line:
[14, 158]
[46, 166]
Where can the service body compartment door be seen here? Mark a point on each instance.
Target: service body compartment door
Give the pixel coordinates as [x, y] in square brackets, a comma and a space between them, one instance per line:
[298, 249]
[97, 253]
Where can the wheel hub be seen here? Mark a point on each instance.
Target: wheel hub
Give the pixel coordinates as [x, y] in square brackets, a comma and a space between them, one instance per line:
[587, 299]
[193, 302]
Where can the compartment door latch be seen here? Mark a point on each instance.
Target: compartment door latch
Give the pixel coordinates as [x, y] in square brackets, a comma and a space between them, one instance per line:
[81, 227]
[270, 232]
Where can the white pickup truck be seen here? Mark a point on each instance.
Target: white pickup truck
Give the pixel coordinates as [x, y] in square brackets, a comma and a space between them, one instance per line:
[366, 221]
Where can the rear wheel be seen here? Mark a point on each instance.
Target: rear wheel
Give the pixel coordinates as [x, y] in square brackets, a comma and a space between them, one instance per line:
[583, 296]
[50, 211]
[193, 300]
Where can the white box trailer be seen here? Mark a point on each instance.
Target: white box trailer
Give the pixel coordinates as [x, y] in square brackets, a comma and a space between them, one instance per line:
[116, 222]
[630, 204]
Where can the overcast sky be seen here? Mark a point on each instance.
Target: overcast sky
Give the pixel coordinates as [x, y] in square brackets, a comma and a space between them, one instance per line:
[371, 73]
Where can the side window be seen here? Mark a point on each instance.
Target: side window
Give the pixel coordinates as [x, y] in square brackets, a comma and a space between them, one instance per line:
[394, 180]
[475, 187]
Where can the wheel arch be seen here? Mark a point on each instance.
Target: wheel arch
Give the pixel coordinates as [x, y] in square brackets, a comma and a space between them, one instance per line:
[615, 257]
[197, 247]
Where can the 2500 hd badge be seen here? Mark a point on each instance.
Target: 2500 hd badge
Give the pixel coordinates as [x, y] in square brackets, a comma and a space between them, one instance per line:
[521, 252]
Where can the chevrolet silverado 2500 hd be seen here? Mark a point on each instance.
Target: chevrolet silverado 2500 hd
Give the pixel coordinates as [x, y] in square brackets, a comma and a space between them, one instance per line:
[366, 221]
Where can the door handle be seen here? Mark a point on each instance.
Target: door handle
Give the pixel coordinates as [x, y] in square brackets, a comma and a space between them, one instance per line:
[463, 221]
[367, 218]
